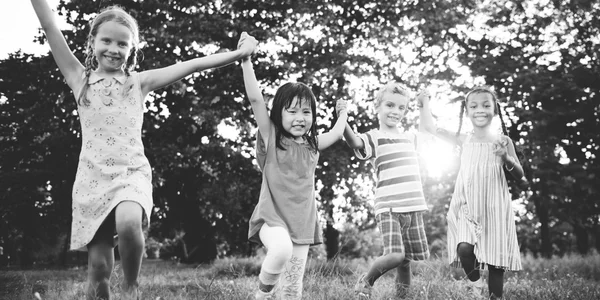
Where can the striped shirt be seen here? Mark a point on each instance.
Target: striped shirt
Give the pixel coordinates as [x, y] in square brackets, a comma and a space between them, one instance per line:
[396, 164]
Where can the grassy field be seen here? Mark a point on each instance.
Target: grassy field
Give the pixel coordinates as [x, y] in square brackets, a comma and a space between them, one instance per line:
[571, 277]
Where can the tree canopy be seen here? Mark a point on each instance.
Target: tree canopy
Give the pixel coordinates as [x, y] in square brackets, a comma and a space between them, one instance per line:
[540, 56]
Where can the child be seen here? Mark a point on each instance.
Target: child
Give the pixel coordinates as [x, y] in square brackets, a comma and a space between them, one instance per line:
[481, 225]
[285, 219]
[399, 199]
[113, 190]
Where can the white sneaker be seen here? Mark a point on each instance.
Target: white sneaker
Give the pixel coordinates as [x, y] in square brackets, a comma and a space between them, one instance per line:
[476, 288]
[260, 295]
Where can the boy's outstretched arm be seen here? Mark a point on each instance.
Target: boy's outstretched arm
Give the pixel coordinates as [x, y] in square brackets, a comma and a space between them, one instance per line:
[157, 78]
[68, 64]
[329, 138]
[352, 139]
[261, 115]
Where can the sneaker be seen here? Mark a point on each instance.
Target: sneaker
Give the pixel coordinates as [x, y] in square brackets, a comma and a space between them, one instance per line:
[476, 288]
[260, 295]
[362, 288]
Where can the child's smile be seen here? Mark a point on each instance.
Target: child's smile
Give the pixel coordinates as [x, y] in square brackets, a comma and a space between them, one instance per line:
[112, 46]
[392, 109]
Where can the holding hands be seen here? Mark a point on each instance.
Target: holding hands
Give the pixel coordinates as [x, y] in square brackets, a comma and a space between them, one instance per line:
[341, 106]
[423, 97]
[247, 44]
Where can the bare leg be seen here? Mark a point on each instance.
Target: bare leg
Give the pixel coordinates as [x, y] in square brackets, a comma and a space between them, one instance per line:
[383, 264]
[403, 278]
[101, 260]
[128, 218]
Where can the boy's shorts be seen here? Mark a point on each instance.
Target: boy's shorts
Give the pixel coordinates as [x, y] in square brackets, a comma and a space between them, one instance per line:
[404, 233]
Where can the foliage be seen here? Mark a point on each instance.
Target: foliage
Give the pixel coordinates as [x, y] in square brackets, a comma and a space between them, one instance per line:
[542, 60]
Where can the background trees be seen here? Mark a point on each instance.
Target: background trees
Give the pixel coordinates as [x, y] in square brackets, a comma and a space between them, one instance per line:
[541, 57]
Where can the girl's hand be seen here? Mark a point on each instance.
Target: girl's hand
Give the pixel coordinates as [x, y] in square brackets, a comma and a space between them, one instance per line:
[500, 147]
[247, 44]
[341, 106]
[423, 97]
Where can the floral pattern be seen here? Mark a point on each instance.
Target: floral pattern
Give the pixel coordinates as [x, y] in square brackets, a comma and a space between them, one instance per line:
[112, 165]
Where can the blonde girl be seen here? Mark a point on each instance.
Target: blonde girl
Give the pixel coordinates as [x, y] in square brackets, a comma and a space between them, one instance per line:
[112, 192]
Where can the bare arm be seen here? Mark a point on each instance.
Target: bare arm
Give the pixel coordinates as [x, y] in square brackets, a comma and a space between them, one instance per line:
[352, 139]
[157, 78]
[332, 136]
[511, 161]
[68, 64]
[261, 115]
[427, 124]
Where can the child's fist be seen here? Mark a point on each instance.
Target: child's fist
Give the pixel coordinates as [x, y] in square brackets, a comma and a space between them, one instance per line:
[423, 97]
[247, 44]
[500, 147]
[341, 106]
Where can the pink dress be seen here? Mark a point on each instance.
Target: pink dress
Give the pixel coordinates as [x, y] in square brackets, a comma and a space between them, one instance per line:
[112, 166]
[481, 212]
[287, 194]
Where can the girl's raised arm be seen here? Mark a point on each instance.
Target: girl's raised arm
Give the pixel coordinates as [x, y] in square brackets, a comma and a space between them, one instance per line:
[426, 123]
[329, 138]
[256, 100]
[154, 79]
[68, 64]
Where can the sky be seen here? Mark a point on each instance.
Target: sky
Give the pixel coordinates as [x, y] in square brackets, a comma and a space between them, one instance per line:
[20, 26]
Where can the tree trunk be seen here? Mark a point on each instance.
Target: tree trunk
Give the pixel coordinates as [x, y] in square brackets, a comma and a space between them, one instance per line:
[583, 242]
[332, 240]
[542, 212]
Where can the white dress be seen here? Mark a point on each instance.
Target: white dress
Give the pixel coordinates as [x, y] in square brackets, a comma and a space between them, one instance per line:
[112, 166]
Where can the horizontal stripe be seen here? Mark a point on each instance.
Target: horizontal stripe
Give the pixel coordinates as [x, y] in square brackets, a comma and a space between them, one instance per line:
[394, 155]
[398, 163]
[396, 180]
[401, 196]
[386, 141]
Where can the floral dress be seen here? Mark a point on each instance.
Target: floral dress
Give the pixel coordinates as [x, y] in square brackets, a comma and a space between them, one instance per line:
[112, 166]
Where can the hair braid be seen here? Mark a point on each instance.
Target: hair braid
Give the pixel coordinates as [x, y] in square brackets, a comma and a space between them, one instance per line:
[90, 64]
[500, 115]
[460, 117]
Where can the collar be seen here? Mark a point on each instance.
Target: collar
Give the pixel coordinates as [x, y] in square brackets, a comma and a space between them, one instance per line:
[94, 77]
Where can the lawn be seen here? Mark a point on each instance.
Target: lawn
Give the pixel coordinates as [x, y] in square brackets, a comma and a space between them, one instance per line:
[569, 277]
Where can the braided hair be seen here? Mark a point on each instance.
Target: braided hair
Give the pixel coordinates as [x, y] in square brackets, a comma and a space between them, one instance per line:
[117, 14]
[498, 111]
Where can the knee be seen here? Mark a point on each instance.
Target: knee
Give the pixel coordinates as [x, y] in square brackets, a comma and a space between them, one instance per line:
[464, 250]
[404, 265]
[395, 259]
[99, 269]
[281, 252]
[128, 225]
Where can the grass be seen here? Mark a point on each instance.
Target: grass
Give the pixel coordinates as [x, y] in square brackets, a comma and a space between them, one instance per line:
[569, 277]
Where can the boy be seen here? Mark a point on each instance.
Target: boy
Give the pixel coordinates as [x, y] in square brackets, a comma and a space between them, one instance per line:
[399, 199]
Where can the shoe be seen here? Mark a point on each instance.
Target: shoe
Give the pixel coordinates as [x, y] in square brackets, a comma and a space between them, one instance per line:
[476, 288]
[362, 288]
[260, 295]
